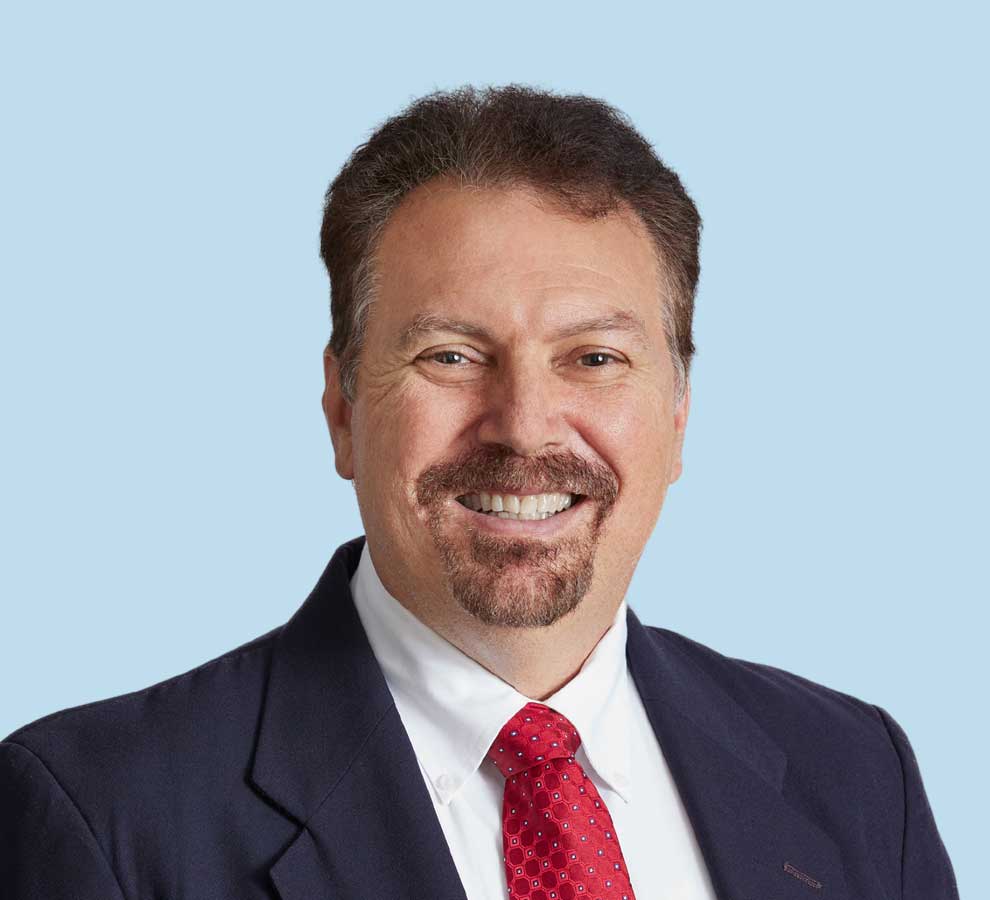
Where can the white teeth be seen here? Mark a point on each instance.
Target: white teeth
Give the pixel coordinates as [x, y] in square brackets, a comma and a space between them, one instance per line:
[513, 506]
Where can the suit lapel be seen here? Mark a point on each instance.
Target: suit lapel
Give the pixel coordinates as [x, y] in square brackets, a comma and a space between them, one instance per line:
[332, 754]
[729, 774]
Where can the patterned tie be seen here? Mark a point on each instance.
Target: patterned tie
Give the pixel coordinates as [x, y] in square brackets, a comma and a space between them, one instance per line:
[557, 835]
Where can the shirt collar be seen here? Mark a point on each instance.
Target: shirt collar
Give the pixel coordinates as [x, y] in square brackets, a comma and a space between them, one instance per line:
[453, 708]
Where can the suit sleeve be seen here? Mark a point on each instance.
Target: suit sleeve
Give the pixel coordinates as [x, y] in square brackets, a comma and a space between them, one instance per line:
[47, 849]
[926, 871]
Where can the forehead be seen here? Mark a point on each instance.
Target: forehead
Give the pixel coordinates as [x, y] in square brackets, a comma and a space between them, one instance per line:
[513, 254]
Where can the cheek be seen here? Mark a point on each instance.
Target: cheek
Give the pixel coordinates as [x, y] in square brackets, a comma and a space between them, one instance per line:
[407, 432]
[645, 452]
[633, 433]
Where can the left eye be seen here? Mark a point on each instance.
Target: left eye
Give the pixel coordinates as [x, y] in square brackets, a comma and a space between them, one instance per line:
[599, 359]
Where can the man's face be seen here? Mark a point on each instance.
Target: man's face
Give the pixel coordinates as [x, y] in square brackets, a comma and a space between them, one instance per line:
[512, 351]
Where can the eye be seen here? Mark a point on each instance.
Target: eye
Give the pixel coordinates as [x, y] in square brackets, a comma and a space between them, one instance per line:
[599, 358]
[448, 358]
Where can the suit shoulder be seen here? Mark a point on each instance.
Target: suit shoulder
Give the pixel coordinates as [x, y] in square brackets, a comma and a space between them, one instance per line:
[124, 775]
[175, 707]
[783, 702]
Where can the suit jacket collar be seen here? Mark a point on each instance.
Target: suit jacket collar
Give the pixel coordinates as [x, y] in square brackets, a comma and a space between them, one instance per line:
[333, 755]
[730, 775]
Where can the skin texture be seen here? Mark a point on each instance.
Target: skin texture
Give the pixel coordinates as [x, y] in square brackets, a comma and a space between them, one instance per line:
[515, 407]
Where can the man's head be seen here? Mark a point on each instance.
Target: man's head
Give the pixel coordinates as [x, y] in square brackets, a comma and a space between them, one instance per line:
[513, 275]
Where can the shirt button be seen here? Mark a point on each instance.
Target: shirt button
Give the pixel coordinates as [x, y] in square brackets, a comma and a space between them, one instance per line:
[445, 784]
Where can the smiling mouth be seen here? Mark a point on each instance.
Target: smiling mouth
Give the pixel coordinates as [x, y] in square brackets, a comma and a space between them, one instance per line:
[526, 507]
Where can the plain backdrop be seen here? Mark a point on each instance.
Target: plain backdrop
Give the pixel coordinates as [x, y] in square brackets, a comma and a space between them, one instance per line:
[168, 489]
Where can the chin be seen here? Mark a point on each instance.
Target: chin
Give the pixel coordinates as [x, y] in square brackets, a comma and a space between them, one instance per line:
[516, 583]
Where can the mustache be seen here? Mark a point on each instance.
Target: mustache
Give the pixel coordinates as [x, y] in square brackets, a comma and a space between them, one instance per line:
[480, 469]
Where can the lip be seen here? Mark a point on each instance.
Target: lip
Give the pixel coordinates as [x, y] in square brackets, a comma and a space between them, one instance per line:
[544, 528]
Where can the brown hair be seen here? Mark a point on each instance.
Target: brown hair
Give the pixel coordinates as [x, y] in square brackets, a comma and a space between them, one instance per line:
[578, 150]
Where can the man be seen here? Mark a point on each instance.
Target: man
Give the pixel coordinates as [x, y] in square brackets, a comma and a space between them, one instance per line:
[465, 706]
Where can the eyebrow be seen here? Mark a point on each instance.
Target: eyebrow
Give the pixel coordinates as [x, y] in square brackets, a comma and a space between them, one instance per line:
[428, 323]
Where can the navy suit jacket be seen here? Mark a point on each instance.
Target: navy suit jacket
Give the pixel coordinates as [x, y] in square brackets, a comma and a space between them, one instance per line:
[282, 770]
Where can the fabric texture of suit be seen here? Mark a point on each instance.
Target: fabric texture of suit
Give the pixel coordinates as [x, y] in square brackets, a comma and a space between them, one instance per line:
[281, 770]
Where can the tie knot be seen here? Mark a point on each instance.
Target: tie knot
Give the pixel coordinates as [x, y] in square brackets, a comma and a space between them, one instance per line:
[534, 735]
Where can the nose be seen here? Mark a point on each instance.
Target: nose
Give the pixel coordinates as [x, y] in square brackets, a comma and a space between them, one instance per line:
[523, 408]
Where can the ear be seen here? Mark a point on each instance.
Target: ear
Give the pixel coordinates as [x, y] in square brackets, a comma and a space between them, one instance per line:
[680, 424]
[337, 410]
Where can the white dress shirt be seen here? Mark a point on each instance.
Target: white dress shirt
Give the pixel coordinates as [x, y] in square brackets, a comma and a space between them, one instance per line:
[453, 708]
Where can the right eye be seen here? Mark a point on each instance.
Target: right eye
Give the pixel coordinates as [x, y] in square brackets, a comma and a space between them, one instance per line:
[448, 358]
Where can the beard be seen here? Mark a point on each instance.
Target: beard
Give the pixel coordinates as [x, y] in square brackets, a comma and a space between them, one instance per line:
[508, 581]
[517, 583]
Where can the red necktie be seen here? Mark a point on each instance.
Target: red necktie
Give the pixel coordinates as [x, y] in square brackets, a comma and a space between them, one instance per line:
[557, 835]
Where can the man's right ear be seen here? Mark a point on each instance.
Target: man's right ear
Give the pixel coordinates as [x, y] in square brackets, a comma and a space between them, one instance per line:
[337, 410]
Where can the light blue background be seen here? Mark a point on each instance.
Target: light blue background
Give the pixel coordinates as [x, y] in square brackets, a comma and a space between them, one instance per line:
[168, 488]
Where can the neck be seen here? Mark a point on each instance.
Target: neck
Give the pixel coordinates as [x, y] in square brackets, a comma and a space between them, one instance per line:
[537, 662]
